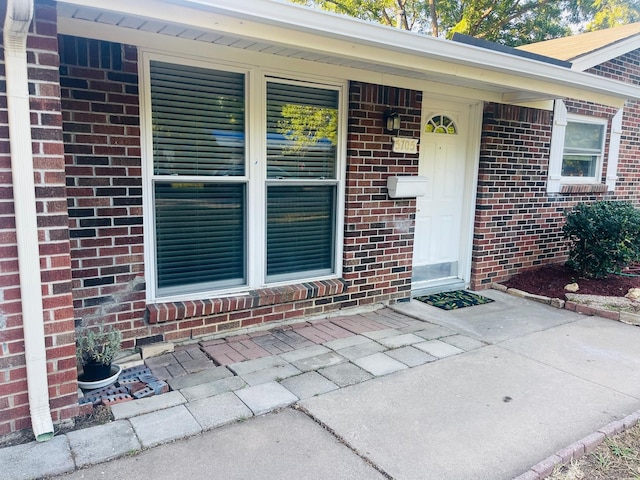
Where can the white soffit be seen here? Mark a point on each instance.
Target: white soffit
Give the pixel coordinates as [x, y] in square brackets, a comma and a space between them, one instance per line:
[295, 32]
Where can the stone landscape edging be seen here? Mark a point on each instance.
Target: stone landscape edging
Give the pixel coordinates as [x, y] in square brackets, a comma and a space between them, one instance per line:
[624, 317]
[578, 449]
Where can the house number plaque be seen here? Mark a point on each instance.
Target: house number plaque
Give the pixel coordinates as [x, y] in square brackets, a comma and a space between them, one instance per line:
[405, 145]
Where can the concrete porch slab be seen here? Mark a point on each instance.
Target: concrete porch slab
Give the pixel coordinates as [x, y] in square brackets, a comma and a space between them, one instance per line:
[37, 460]
[597, 349]
[308, 385]
[345, 374]
[219, 410]
[379, 364]
[165, 426]
[411, 356]
[507, 317]
[484, 415]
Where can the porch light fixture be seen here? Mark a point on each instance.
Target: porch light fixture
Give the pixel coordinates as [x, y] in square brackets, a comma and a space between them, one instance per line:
[391, 121]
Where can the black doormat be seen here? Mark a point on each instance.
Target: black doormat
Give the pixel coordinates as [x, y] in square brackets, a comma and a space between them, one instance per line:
[453, 300]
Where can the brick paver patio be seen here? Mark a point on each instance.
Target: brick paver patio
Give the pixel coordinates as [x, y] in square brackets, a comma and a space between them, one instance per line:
[375, 327]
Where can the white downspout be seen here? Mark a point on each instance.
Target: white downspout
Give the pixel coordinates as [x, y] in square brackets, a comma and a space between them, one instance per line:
[16, 28]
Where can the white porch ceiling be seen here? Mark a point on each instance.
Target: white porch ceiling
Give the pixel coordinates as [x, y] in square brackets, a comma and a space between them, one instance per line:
[287, 31]
[94, 15]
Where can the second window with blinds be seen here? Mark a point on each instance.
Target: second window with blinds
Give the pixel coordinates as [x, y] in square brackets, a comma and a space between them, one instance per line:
[244, 179]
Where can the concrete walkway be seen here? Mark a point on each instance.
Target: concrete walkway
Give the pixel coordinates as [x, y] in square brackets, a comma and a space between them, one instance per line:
[483, 392]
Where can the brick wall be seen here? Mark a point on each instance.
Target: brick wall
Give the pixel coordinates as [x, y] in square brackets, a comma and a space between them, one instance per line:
[379, 231]
[517, 224]
[104, 182]
[627, 69]
[104, 178]
[54, 248]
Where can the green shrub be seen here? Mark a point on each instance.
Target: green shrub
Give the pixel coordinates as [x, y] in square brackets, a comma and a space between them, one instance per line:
[97, 345]
[604, 236]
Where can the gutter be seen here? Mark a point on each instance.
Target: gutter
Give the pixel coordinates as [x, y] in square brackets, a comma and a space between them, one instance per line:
[16, 28]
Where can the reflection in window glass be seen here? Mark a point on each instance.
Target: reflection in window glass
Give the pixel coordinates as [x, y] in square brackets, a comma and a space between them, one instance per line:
[302, 131]
[583, 149]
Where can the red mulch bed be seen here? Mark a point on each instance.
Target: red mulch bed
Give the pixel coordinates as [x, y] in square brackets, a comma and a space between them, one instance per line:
[550, 280]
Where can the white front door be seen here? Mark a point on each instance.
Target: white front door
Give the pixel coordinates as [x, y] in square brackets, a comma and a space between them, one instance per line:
[440, 232]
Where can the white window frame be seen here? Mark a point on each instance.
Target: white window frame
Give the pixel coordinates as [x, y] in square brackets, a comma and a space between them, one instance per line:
[255, 174]
[561, 117]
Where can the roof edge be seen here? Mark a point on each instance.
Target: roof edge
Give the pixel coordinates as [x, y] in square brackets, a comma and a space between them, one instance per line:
[606, 53]
[479, 42]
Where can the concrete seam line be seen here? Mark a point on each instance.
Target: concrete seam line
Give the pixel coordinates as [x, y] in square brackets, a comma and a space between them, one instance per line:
[343, 441]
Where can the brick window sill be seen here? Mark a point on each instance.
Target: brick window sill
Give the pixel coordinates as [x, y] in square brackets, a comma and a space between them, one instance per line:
[584, 188]
[171, 311]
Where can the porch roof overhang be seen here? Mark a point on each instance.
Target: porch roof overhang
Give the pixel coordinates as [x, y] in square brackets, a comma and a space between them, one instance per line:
[356, 49]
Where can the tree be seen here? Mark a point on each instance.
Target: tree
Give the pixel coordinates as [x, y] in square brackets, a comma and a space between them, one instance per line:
[612, 13]
[510, 22]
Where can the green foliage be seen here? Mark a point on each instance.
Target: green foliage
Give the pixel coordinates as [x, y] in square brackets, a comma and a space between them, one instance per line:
[99, 345]
[306, 125]
[604, 236]
[612, 13]
[509, 22]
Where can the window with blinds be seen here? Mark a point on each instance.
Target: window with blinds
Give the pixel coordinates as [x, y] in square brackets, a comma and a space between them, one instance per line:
[300, 230]
[198, 121]
[301, 144]
[301, 131]
[203, 182]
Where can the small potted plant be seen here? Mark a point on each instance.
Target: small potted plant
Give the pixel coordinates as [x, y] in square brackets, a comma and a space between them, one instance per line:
[95, 349]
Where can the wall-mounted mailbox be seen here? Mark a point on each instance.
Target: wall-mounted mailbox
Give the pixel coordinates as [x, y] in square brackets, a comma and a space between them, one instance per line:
[407, 187]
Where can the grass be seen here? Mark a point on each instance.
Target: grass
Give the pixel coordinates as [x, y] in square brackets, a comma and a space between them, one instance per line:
[617, 458]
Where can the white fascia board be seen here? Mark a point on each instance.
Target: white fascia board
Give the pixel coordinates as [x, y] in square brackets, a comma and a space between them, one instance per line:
[270, 21]
[603, 55]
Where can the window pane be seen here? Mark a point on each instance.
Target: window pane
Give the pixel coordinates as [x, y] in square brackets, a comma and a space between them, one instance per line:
[302, 129]
[198, 120]
[579, 165]
[300, 230]
[200, 234]
[583, 136]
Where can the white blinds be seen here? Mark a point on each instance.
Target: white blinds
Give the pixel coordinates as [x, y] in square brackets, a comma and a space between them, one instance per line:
[199, 234]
